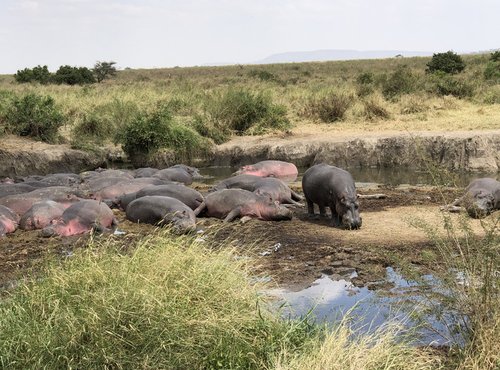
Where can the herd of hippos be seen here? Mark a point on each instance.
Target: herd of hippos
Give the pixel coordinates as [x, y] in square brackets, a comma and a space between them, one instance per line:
[70, 204]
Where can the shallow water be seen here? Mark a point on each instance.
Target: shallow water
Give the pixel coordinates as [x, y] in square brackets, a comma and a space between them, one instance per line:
[327, 300]
[388, 176]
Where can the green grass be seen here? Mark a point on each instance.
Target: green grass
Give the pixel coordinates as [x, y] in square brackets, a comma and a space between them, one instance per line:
[172, 303]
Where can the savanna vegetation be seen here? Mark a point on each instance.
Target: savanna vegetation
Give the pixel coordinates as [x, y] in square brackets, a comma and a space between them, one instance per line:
[208, 105]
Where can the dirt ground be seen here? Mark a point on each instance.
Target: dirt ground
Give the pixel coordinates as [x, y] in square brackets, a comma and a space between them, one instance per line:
[294, 253]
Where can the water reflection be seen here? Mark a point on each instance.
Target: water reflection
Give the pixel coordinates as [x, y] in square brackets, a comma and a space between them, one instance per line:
[388, 176]
[328, 300]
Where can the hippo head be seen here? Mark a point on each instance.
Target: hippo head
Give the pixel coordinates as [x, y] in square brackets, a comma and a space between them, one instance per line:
[480, 205]
[181, 222]
[248, 170]
[348, 210]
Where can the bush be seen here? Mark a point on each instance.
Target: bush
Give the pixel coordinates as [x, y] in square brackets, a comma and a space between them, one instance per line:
[240, 112]
[92, 127]
[495, 56]
[448, 62]
[330, 107]
[149, 132]
[492, 71]
[411, 104]
[374, 108]
[365, 78]
[401, 81]
[449, 85]
[262, 75]
[73, 75]
[36, 116]
[37, 74]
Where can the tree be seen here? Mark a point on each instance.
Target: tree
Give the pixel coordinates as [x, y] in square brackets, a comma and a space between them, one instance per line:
[448, 62]
[39, 74]
[103, 70]
[74, 75]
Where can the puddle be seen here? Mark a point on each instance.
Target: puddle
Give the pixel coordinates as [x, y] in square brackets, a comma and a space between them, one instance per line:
[328, 300]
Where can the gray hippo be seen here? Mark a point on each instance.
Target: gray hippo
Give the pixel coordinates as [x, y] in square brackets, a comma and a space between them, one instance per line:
[179, 173]
[229, 204]
[8, 221]
[186, 195]
[82, 217]
[145, 172]
[482, 196]
[41, 214]
[160, 210]
[333, 187]
[61, 179]
[12, 189]
[275, 188]
[282, 170]
[112, 193]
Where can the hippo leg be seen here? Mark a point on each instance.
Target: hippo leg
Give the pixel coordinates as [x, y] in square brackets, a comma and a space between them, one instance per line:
[200, 208]
[233, 214]
[293, 202]
[310, 208]
[322, 211]
[296, 196]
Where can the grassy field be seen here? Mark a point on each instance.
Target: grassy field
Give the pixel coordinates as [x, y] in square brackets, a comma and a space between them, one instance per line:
[208, 105]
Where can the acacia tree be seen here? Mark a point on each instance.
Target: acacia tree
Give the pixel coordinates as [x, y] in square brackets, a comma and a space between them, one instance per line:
[103, 70]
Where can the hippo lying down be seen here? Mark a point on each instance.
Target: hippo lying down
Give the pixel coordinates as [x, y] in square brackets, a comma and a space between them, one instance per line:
[229, 204]
[481, 197]
[8, 221]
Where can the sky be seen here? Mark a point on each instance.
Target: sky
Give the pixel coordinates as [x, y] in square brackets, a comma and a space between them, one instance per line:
[166, 33]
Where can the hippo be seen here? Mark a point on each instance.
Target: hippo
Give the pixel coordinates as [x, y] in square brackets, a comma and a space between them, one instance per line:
[333, 187]
[275, 188]
[229, 204]
[160, 210]
[179, 173]
[282, 170]
[111, 193]
[11, 189]
[482, 196]
[82, 217]
[186, 195]
[21, 203]
[61, 179]
[8, 221]
[41, 215]
[145, 172]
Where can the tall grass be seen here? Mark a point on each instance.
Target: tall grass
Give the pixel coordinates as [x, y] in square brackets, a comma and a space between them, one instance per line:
[171, 303]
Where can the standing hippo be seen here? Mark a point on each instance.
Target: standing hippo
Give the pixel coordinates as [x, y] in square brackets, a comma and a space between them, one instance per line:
[186, 195]
[82, 217]
[41, 214]
[160, 210]
[229, 204]
[481, 197]
[8, 221]
[333, 187]
[282, 170]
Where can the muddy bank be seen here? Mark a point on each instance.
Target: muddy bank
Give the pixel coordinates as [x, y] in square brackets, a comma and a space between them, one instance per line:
[462, 150]
[23, 157]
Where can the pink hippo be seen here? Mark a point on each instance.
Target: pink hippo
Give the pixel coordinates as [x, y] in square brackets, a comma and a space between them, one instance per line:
[80, 218]
[8, 221]
[282, 170]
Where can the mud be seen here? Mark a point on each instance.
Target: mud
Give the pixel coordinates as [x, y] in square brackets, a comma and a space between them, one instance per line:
[293, 253]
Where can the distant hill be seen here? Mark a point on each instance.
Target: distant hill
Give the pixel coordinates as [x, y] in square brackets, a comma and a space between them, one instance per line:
[324, 55]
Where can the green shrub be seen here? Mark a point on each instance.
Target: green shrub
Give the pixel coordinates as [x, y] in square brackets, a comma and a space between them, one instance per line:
[209, 128]
[448, 62]
[242, 112]
[36, 116]
[330, 107]
[262, 75]
[449, 85]
[93, 127]
[401, 81]
[492, 71]
[149, 132]
[365, 78]
[37, 74]
[73, 75]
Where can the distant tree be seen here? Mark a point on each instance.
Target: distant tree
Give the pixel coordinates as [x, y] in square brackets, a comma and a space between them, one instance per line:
[448, 62]
[37, 74]
[495, 56]
[73, 75]
[103, 70]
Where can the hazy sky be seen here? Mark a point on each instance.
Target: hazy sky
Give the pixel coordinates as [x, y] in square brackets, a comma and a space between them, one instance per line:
[156, 33]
